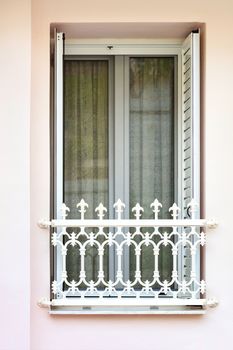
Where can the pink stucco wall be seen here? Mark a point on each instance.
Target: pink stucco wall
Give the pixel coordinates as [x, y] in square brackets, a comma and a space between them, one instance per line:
[135, 332]
[15, 50]
[212, 331]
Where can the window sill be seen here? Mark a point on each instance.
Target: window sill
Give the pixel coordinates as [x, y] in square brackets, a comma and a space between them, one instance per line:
[147, 306]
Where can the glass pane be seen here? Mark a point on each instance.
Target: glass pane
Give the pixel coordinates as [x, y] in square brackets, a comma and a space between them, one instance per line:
[85, 147]
[151, 145]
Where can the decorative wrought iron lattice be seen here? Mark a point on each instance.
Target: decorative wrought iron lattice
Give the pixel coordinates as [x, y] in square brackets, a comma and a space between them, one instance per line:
[124, 235]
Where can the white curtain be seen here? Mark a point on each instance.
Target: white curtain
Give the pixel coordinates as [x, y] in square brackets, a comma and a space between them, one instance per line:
[85, 148]
[152, 145]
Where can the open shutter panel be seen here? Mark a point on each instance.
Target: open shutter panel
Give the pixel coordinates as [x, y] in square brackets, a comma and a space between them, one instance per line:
[190, 133]
[58, 122]
[57, 145]
[190, 121]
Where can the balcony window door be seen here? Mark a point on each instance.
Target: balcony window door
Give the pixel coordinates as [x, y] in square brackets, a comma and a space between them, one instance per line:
[119, 135]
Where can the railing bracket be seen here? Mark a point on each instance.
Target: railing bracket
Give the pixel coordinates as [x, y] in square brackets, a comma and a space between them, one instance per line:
[44, 224]
[44, 302]
[211, 303]
[212, 224]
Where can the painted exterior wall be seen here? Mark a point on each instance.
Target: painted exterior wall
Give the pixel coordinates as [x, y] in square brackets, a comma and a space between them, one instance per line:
[15, 71]
[212, 331]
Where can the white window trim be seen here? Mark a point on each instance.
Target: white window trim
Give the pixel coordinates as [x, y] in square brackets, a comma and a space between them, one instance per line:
[90, 47]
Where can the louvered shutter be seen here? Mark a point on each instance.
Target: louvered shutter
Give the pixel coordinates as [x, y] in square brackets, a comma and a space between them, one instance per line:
[191, 120]
[190, 132]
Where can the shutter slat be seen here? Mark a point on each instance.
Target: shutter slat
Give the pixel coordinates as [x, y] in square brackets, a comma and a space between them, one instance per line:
[187, 132]
[187, 75]
[187, 94]
[187, 144]
[187, 183]
[187, 163]
[187, 174]
[187, 64]
[186, 154]
[186, 84]
[187, 116]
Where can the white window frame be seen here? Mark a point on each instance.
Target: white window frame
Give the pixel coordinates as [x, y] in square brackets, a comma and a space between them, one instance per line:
[121, 51]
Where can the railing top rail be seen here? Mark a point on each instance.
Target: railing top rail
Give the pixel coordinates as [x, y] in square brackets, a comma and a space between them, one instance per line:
[132, 223]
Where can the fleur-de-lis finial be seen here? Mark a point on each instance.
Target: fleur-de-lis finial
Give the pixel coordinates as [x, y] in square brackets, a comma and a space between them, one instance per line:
[138, 210]
[192, 208]
[119, 205]
[64, 211]
[175, 211]
[100, 211]
[82, 205]
[156, 205]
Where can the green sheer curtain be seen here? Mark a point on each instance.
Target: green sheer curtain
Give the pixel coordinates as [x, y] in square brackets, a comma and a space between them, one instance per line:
[85, 147]
[151, 146]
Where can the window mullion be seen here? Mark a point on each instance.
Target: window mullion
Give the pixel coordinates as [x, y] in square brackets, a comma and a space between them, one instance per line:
[122, 141]
[119, 129]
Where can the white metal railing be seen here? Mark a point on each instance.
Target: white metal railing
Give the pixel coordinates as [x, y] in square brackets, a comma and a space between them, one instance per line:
[180, 236]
